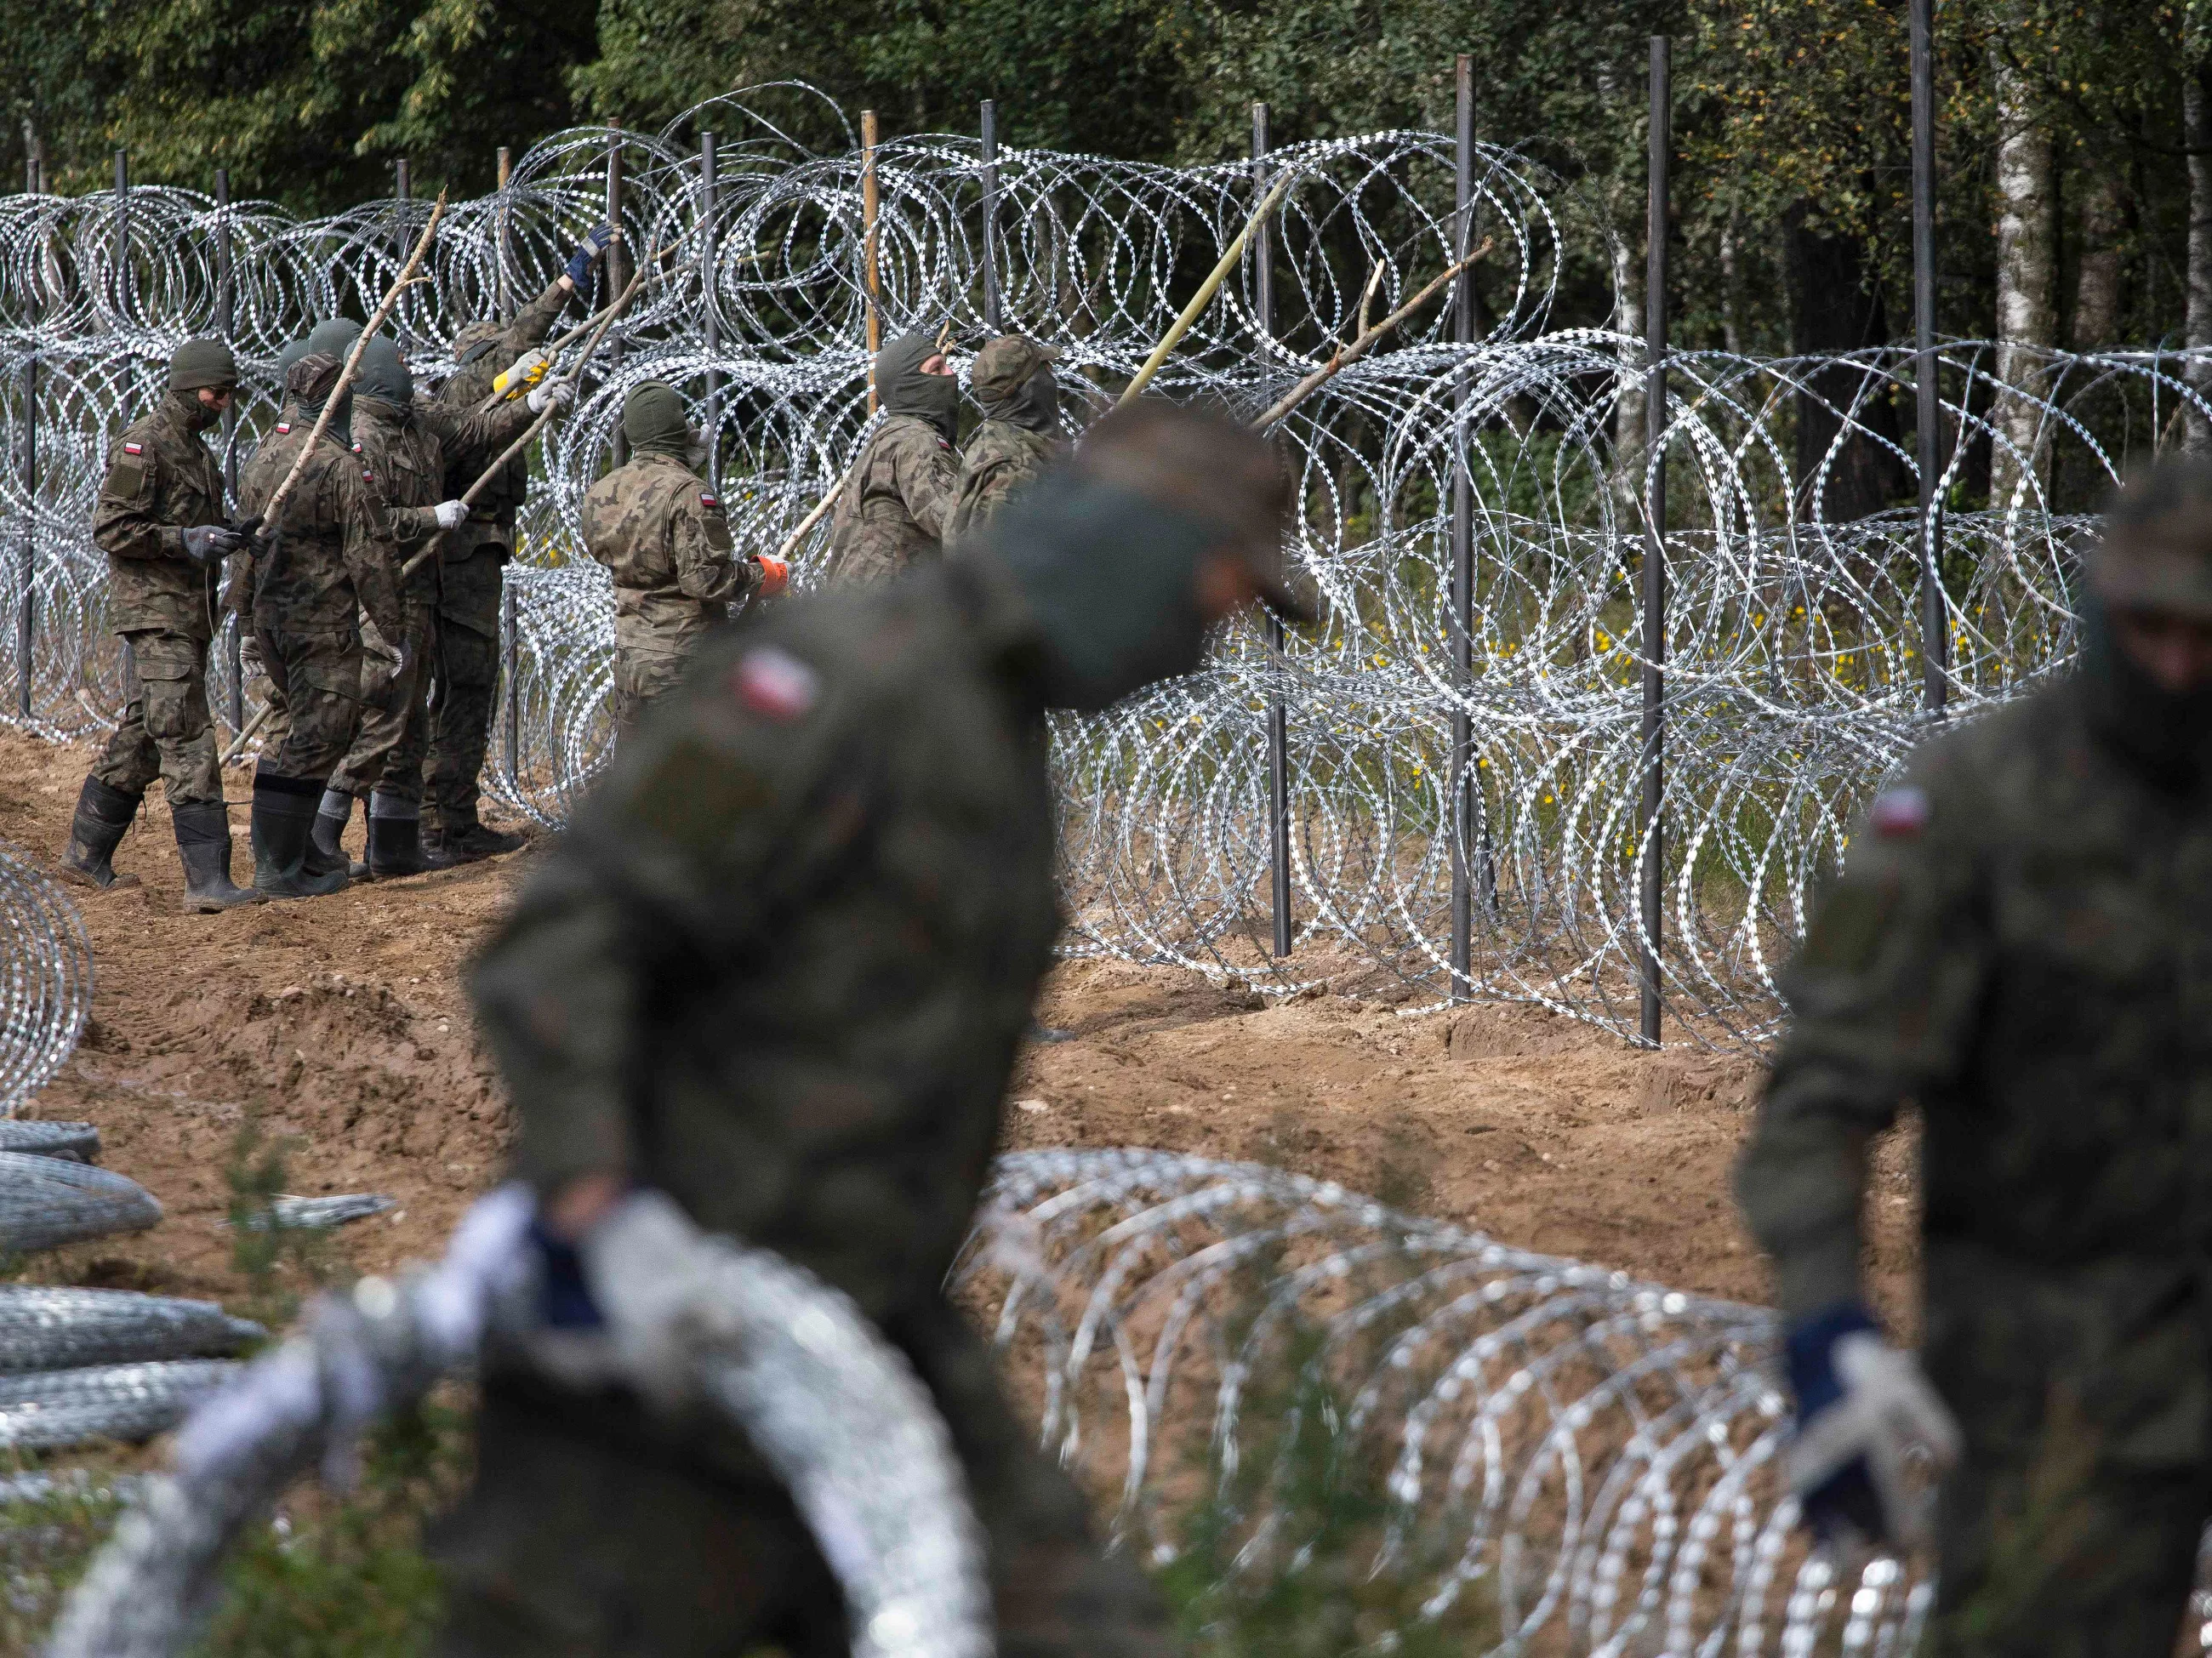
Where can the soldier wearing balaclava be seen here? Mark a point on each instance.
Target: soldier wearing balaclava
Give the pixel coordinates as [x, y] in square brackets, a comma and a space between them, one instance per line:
[1020, 436]
[896, 508]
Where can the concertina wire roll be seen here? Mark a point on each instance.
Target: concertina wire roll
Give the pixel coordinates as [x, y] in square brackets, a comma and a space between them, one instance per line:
[1793, 641]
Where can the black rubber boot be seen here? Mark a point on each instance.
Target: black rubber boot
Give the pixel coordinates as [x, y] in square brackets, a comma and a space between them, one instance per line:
[283, 817]
[325, 847]
[204, 843]
[103, 814]
[395, 844]
[447, 845]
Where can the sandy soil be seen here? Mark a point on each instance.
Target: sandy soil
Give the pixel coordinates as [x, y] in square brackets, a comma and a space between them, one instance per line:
[340, 1024]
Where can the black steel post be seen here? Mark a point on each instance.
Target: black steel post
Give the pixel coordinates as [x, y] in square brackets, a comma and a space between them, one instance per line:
[710, 196]
[1935, 613]
[226, 300]
[616, 275]
[1278, 741]
[123, 234]
[991, 215]
[1652, 843]
[27, 597]
[403, 191]
[510, 687]
[1464, 784]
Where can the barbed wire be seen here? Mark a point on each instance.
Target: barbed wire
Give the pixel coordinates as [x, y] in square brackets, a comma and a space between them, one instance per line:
[1793, 635]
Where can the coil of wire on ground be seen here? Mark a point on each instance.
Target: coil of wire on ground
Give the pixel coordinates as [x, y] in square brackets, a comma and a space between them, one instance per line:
[1794, 647]
[45, 979]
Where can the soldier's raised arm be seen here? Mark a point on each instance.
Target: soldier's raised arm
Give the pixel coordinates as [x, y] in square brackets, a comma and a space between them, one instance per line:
[1883, 996]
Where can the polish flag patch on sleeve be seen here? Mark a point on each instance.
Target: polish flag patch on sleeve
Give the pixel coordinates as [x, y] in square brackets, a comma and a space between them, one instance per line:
[283, 425]
[708, 501]
[1899, 814]
[132, 449]
[774, 684]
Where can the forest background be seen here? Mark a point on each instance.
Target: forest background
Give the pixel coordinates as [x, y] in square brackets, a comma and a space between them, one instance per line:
[2075, 140]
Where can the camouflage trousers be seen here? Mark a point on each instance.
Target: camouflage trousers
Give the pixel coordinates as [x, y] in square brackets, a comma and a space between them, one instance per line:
[2070, 1528]
[466, 693]
[594, 1532]
[642, 678]
[166, 732]
[314, 685]
[388, 747]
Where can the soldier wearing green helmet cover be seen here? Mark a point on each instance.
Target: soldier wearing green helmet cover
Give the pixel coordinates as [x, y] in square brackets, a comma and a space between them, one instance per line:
[663, 536]
[776, 972]
[2019, 944]
[1020, 437]
[475, 556]
[160, 519]
[896, 507]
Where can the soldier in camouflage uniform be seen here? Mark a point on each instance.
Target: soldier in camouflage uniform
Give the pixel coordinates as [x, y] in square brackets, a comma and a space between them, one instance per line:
[403, 446]
[897, 503]
[476, 557]
[662, 535]
[326, 559]
[160, 519]
[2021, 943]
[777, 969]
[1020, 435]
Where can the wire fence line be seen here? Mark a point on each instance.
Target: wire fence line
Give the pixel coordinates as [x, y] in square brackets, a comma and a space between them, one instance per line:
[1794, 633]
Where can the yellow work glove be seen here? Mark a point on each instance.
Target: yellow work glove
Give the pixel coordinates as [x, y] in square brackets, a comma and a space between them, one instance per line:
[528, 370]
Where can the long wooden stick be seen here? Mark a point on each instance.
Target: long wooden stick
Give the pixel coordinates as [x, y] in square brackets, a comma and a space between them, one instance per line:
[647, 266]
[1206, 290]
[238, 747]
[406, 279]
[1347, 355]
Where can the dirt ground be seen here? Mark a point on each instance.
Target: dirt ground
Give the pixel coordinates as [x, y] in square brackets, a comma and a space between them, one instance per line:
[340, 1024]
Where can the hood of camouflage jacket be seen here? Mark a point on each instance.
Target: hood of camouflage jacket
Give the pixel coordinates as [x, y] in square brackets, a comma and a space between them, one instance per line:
[902, 389]
[2166, 738]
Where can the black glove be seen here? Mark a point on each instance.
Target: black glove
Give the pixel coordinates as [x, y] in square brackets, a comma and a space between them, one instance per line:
[210, 543]
[588, 253]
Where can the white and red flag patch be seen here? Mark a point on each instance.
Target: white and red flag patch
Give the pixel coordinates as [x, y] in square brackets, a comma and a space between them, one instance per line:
[774, 684]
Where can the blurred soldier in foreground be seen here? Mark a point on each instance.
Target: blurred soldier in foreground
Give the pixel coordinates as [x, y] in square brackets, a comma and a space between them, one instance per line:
[2021, 943]
[476, 556]
[403, 446]
[1020, 435]
[326, 560]
[662, 534]
[776, 972]
[896, 505]
[160, 519]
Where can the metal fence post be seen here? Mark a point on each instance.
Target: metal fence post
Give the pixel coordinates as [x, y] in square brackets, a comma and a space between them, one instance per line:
[1463, 783]
[710, 190]
[510, 656]
[27, 599]
[1652, 844]
[226, 291]
[1279, 756]
[403, 191]
[869, 277]
[1935, 613]
[617, 276]
[122, 235]
[990, 302]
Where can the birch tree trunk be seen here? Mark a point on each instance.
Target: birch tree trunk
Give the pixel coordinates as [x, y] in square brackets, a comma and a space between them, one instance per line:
[2196, 323]
[2027, 286]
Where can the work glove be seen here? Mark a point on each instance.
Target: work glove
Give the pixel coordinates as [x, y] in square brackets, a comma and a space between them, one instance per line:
[1864, 1412]
[589, 252]
[529, 368]
[450, 514]
[558, 396]
[209, 543]
[775, 574]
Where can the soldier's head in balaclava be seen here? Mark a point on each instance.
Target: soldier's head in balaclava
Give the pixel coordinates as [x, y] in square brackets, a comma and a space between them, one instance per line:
[336, 336]
[383, 376]
[655, 421]
[1165, 521]
[1012, 381]
[202, 374]
[2147, 621]
[912, 379]
[310, 381]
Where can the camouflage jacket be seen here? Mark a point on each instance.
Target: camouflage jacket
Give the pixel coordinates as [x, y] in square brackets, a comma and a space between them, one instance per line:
[657, 528]
[405, 452]
[336, 555]
[999, 460]
[896, 504]
[780, 962]
[2021, 942]
[162, 480]
[491, 524]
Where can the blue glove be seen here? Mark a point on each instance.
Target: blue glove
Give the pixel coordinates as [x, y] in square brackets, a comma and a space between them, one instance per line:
[564, 1299]
[1863, 1410]
[589, 252]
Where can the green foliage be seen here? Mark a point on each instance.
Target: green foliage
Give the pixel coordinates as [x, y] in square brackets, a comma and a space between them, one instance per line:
[276, 1261]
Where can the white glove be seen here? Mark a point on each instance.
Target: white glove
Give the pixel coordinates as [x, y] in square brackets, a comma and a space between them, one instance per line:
[559, 394]
[449, 513]
[1888, 1416]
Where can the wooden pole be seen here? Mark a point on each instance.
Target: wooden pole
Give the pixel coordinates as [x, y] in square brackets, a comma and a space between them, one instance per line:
[502, 297]
[871, 274]
[1206, 290]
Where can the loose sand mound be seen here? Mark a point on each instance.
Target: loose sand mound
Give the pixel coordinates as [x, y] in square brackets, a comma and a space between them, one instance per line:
[341, 1022]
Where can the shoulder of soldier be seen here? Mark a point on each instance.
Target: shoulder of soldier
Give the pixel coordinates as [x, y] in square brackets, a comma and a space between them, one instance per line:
[1980, 775]
[910, 434]
[143, 441]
